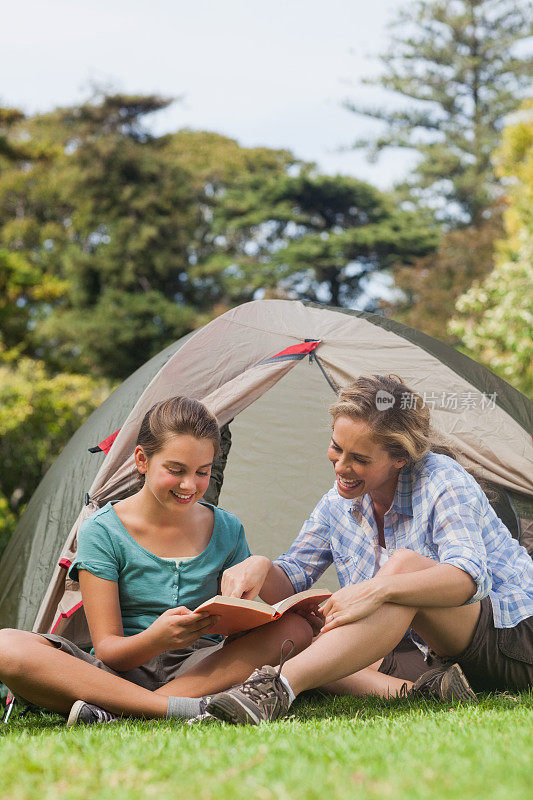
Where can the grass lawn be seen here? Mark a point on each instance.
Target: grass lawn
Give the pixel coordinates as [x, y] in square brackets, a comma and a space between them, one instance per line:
[329, 749]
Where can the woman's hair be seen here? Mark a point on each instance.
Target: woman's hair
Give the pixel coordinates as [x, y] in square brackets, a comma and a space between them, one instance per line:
[397, 417]
[174, 417]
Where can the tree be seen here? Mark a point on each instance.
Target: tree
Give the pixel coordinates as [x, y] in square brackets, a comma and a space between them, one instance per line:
[316, 237]
[23, 288]
[494, 317]
[38, 415]
[431, 286]
[38, 411]
[458, 61]
[122, 219]
[143, 238]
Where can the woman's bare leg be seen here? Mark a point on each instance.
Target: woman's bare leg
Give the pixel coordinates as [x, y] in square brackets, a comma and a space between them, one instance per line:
[34, 669]
[369, 680]
[342, 651]
[234, 662]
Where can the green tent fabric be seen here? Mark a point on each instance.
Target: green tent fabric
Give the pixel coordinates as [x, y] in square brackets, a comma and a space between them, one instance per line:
[273, 401]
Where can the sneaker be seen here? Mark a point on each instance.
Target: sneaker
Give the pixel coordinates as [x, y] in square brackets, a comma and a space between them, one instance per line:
[444, 684]
[261, 698]
[204, 715]
[83, 713]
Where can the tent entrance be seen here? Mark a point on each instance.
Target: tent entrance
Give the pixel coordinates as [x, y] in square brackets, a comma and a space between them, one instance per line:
[277, 467]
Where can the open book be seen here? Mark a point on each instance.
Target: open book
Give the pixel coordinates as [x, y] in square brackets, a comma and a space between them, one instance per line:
[238, 615]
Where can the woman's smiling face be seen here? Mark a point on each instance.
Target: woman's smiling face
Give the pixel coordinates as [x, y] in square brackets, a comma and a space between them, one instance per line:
[360, 464]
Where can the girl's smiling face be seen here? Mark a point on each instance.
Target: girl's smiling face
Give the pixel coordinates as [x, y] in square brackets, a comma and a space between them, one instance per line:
[360, 464]
[177, 476]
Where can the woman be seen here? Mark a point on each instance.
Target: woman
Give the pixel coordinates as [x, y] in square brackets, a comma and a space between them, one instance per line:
[142, 564]
[416, 544]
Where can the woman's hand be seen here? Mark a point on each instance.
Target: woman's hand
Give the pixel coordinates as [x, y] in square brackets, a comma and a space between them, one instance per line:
[178, 627]
[247, 578]
[353, 603]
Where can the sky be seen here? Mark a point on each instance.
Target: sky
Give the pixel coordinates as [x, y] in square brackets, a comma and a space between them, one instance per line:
[272, 74]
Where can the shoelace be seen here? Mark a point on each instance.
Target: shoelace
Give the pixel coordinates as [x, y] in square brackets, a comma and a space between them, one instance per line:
[431, 684]
[203, 703]
[103, 716]
[259, 684]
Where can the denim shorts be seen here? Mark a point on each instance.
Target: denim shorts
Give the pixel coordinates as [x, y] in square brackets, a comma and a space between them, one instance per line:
[155, 673]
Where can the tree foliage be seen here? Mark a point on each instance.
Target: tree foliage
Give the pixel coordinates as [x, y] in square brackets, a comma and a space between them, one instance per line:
[431, 286]
[494, 317]
[147, 237]
[38, 415]
[319, 237]
[457, 63]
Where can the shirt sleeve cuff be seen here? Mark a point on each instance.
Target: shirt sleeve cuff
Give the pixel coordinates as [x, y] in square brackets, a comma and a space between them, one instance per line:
[94, 569]
[294, 572]
[477, 572]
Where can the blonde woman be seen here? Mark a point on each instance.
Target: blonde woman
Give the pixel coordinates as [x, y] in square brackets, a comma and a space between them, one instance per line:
[416, 545]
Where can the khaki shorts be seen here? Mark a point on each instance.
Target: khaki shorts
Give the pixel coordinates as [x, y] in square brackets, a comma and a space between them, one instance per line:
[498, 659]
[155, 673]
[408, 662]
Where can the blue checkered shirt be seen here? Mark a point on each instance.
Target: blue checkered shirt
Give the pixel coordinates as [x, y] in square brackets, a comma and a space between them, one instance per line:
[439, 511]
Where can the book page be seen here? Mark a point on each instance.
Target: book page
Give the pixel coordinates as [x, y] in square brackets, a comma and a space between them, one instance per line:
[221, 601]
[237, 615]
[310, 597]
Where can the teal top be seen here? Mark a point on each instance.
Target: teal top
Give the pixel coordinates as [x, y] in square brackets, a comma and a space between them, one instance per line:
[148, 585]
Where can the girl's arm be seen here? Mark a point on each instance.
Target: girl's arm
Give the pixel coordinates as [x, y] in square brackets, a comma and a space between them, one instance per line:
[174, 629]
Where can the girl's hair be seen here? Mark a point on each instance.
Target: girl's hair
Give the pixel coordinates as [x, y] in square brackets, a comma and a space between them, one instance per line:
[397, 417]
[179, 415]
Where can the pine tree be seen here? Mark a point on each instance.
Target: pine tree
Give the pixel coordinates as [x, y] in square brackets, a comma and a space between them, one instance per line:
[460, 62]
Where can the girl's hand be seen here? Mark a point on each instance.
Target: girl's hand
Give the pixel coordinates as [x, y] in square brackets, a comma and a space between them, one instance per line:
[178, 627]
[247, 578]
[352, 603]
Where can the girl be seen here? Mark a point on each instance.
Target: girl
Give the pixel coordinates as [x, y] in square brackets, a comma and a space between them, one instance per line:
[142, 564]
[416, 544]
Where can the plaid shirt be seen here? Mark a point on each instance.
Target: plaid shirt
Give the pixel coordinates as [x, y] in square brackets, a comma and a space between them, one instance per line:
[438, 510]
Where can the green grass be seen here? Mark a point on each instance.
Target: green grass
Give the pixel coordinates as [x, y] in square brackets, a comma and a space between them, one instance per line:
[329, 749]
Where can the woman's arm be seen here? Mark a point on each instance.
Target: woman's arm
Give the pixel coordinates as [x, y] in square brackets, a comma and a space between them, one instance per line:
[256, 575]
[174, 629]
[441, 586]
[277, 586]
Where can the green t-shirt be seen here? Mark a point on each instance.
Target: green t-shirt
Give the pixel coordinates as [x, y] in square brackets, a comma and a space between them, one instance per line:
[147, 584]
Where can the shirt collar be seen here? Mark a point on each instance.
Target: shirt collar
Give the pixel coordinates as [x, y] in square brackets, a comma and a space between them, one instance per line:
[403, 497]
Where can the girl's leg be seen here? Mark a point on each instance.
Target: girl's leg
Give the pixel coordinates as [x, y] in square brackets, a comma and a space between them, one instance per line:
[234, 662]
[34, 669]
[368, 681]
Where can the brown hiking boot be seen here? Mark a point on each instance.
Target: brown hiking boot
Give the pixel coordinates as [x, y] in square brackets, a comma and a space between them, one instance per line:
[261, 698]
[444, 684]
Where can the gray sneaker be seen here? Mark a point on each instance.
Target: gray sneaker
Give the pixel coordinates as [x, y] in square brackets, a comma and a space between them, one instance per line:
[83, 713]
[261, 698]
[204, 715]
[444, 684]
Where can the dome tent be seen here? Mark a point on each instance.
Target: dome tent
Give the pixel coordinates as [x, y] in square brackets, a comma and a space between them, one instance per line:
[270, 369]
